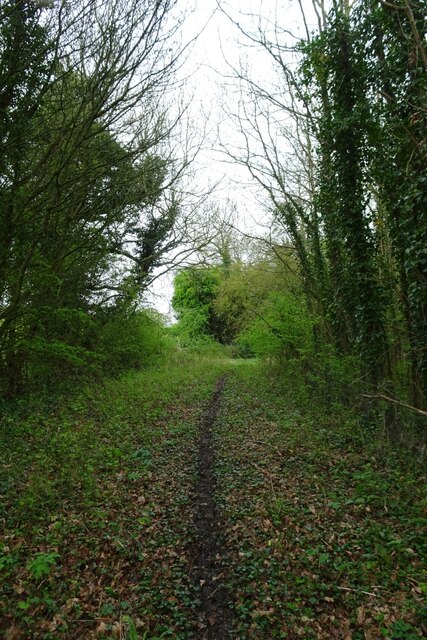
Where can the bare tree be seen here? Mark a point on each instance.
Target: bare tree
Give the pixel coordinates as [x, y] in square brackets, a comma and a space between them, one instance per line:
[275, 127]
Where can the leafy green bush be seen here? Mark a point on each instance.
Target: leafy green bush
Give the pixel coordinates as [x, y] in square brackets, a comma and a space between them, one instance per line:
[106, 343]
[195, 291]
[335, 378]
[192, 329]
[130, 341]
[42, 564]
[281, 331]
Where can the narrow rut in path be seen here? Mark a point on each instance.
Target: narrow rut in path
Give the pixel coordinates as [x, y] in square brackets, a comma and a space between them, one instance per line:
[214, 615]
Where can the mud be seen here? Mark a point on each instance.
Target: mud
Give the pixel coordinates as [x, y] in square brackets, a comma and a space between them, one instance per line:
[214, 614]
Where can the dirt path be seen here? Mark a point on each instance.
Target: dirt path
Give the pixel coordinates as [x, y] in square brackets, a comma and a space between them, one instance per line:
[213, 612]
[133, 503]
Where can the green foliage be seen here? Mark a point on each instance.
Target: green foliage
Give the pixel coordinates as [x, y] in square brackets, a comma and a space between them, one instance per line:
[95, 482]
[192, 328]
[335, 379]
[130, 340]
[195, 290]
[342, 127]
[282, 329]
[108, 342]
[364, 79]
[194, 287]
[245, 288]
[218, 303]
[42, 564]
[392, 44]
[82, 224]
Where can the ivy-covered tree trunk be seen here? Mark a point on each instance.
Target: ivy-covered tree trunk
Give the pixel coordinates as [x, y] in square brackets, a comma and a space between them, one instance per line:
[350, 114]
[357, 302]
[394, 37]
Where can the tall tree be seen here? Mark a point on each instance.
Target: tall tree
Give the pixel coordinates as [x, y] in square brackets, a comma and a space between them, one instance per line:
[392, 42]
[338, 145]
[88, 202]
[343, 126]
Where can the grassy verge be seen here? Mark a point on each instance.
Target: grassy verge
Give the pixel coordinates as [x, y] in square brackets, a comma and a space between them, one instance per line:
[324, 531]
[95, 508]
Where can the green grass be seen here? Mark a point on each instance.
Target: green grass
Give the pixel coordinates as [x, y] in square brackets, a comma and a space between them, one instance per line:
[324, 530]
[95, 510]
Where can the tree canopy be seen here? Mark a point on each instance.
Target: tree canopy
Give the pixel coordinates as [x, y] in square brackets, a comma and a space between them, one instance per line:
[88, 191]
[337, 143]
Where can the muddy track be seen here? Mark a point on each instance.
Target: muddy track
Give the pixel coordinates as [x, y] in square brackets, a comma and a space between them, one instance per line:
[214, 615]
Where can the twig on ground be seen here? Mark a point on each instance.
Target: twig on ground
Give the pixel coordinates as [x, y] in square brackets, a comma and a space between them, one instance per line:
[367, 593]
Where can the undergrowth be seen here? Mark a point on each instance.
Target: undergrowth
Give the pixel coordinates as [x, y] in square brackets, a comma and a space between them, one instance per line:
[322, 517]
[324, 526]
[95, 511]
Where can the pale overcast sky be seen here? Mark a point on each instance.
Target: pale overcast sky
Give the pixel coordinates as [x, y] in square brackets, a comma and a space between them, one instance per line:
[219, 47]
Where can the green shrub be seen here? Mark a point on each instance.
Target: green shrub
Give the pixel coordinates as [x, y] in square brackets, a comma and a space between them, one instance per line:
[282, 331]
[130, 341]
